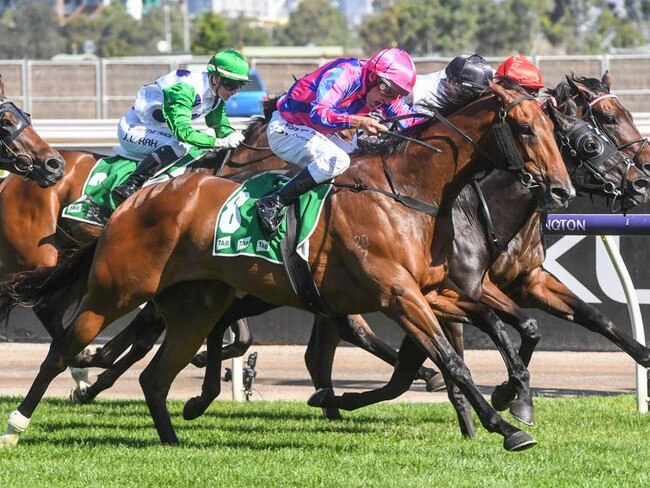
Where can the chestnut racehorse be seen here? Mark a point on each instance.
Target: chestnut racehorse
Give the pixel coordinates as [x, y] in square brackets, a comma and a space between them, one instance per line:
[22, 151]
[167, 230]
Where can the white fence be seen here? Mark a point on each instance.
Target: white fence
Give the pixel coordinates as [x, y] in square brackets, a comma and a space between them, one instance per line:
[100, 135]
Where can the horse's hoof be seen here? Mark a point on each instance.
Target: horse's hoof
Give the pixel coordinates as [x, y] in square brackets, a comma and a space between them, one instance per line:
[523, 412]
[79, 394]
[200, 360]
[193, 408]
[8, 440]
[435, 383]
[331, 413]
[321, 398]
[80, 375]
[502, 396]
[518, 441]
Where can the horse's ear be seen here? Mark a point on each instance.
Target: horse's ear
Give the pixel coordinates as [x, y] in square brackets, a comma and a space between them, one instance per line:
[561, 121]
[570, 108]
[500, 92]
[607, 81]
[580, 89]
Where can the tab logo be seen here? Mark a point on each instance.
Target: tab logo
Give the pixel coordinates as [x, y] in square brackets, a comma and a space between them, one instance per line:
[243, 243]
[262, 246]
[223, 243]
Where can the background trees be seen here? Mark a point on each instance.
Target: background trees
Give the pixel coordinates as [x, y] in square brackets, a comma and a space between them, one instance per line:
[424, 27]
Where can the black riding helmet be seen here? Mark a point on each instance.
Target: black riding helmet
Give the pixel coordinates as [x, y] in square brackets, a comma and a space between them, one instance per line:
[470, 70]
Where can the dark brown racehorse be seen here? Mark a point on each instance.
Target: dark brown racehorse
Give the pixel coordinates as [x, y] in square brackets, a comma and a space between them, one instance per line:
[22, 151]
[167, 230]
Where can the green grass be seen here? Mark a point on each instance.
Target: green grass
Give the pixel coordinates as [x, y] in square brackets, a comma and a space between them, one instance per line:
[583, 442]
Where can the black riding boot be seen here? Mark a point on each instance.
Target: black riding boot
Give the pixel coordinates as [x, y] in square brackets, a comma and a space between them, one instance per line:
[143, 171]
[269, 207]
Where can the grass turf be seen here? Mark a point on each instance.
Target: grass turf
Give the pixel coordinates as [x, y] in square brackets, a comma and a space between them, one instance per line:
[587, 441]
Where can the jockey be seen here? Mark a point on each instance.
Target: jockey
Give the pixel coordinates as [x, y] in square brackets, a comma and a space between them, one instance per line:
[523, 71]
[158, 127]
[471, 70]
[332, 98]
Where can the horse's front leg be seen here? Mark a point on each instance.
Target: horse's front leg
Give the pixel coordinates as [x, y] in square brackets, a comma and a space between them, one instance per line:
[411, 309]
[540, 289]
[450, 301]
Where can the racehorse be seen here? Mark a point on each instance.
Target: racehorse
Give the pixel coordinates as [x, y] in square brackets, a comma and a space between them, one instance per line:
[479, 240]
[517, 278]
[22, 151]
[403, 273]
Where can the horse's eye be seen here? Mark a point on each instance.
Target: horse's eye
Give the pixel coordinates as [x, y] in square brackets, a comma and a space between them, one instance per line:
[526, 130]
[609, 119]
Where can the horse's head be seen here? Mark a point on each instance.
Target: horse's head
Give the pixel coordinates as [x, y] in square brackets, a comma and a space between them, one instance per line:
[524, 136]
[22, 151]
[603, 110]
[595, 165]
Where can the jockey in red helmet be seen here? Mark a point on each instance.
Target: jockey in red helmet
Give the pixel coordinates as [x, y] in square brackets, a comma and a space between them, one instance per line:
[523, 71]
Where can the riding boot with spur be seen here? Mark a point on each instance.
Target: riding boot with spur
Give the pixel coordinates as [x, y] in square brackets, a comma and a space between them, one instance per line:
[143, 171]
[269, 207]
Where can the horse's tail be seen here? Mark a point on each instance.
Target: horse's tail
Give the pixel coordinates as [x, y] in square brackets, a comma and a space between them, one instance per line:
[64, 283]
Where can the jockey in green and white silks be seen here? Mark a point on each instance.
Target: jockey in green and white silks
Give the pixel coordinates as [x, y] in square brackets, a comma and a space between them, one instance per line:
[158, 128]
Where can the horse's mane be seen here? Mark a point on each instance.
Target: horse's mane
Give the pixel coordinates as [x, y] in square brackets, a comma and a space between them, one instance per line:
[455, 97]
[563, 91]
[268, 107]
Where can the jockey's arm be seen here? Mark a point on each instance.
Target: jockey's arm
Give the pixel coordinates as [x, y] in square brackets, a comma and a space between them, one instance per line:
[177, 111]
[332, 89]
[218, 120]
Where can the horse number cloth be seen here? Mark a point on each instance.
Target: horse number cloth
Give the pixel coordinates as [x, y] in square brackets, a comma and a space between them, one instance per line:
[237, 230]
[96, 203]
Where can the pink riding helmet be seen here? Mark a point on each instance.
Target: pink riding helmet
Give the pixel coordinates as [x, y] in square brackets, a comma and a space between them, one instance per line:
[395, 67]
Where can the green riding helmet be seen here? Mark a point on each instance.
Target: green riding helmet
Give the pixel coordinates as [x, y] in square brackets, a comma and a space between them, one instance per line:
[229, 64]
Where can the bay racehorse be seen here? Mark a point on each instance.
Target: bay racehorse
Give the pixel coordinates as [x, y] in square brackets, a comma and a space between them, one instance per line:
[483, 231]
[167, 230]
[516, 277]
[22, 151]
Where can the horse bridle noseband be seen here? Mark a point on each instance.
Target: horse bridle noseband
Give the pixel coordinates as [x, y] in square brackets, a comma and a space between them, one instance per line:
[598, 156]
[22, 163]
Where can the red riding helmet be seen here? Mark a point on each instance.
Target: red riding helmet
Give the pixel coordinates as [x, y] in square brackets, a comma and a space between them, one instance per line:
[520, 69]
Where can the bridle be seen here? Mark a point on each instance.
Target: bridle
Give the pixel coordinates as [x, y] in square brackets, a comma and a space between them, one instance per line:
[22, 163]
[594, 154]
[589, 104]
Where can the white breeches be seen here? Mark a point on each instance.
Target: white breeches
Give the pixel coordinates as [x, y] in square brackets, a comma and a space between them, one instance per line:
[137, 139]
[324, 156]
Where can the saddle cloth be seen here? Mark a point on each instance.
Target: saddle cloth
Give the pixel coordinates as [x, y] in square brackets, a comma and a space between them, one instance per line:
[237, 230]
[96, 203]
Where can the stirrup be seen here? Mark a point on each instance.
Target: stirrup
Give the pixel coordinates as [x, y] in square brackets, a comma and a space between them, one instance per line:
[269, 213]
[124, 191]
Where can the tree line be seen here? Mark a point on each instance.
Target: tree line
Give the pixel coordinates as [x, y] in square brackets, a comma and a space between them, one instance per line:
[423, 27]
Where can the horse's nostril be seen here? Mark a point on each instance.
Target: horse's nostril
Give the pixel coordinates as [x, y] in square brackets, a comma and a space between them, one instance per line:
[641, 185]
[646, 169]
[561, 193]
[54, 165]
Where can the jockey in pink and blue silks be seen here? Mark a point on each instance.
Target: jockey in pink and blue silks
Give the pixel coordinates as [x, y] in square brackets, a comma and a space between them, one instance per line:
[334, 97]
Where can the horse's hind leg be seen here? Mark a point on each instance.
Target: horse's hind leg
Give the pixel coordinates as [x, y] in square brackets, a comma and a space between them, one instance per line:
[238, 347]
[143, 343]
[190, 311]
[248, 306]
[97, 310]
[355, 330]
[319, 357]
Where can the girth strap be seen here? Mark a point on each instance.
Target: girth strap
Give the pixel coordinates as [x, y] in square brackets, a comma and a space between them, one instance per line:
[297, 269]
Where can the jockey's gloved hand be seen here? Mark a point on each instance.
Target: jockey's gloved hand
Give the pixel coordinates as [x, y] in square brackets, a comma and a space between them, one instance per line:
[366, 124]
[231, 141]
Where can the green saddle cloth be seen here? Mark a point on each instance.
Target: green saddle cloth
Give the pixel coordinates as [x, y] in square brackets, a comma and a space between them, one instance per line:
[96, 203]
[237, 230]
